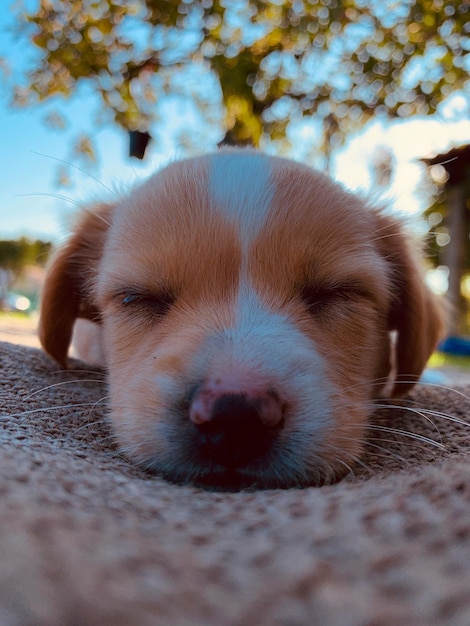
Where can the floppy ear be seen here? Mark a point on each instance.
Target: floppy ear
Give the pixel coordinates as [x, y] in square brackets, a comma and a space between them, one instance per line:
[66, 294]
[415, 312]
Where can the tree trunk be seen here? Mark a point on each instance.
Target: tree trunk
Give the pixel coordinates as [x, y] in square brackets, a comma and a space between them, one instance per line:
[458, 231]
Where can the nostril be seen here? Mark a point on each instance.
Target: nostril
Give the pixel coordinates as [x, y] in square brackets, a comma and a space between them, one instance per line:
[235, 432]
[210, 401]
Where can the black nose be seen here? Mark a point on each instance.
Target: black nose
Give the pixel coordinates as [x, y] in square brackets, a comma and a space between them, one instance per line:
[235, 433]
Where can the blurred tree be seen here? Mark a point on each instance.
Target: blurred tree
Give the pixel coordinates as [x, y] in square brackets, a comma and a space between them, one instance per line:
[449, 223]
[15, 256]
[266, 62]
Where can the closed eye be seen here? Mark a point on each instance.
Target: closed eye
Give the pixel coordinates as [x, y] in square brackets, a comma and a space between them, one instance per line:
[319, 300]
[158, 303]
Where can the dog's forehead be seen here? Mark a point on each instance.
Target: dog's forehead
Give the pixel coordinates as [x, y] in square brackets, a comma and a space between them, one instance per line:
[241, 186]
[240, 209]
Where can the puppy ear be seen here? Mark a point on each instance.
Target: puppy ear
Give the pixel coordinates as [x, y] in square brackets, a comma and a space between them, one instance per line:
[67, 294]
[415, 312]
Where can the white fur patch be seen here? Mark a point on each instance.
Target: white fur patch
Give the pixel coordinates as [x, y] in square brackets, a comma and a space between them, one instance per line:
[240, 186]
[269, 346]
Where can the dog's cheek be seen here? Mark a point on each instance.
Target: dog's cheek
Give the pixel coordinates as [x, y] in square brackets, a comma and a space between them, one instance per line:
[147, 374]
[124, 338]
[358, 366]
[351, 406]
[354, 360]
[355, 346]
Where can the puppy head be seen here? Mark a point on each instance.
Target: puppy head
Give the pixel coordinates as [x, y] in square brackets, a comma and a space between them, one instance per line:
[246, 305]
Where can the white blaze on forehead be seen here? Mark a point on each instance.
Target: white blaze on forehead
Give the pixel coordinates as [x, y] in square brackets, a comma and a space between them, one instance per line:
[240, 185]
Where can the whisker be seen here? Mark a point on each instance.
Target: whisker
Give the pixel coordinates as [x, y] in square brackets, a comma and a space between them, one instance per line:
[418, 383]
[97, 372]
[425, 413]
[410, 409]
[387, 227]
[388, 236]
[446, 416]
[89, 425]
[384, 453]
[367, 383]
[60, 384]
[78, 168]
[345, 457]
[409, 434]
[49, 195]
[338, 461]
[49, 408]
[443, 387]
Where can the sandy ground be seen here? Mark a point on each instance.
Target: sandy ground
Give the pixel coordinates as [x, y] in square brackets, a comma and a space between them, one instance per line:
[22, 330]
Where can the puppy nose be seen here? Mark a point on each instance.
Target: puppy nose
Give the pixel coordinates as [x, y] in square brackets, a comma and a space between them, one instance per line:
[235, 428]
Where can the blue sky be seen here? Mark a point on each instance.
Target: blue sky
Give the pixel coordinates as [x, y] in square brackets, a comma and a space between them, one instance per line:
[32, 151]
[31, 154]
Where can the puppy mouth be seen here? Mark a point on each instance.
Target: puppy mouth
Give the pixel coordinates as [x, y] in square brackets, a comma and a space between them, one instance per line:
[219, 478]
[236, 461]
[279, 466]
[228, 480]
[256, 477]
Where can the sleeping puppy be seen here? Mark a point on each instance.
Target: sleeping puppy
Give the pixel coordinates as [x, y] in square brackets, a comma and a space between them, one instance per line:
[246, 305]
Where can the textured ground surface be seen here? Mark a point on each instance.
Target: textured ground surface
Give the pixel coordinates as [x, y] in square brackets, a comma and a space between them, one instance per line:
[86, 538]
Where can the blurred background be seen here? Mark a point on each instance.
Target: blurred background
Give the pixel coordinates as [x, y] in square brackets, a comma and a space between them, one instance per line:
[97, 94]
